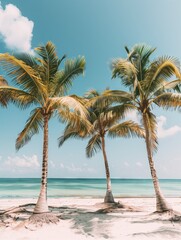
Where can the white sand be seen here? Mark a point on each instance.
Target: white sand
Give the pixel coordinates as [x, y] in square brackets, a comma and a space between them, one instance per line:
[80, 221]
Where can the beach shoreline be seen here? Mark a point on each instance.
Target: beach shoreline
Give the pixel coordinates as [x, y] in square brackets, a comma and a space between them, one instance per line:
[80, 220]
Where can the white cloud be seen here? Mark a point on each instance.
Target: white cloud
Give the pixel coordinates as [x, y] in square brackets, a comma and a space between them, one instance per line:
[52, 164]
[15, 29]
[23, 162]
[162, 131]
[73, 168]
[61, 165]
[126, 164]
[132, 115]
[139, 164]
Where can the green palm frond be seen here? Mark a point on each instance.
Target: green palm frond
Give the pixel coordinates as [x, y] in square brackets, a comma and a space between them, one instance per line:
[71, 132]
[166, 87]
[104, 121]
[161, 69]
[141, 52]
[91, 94]
[33, 125]
[22, 74]
[93, 146]
[145, 55]
[75, 120]
[110, 97]
[49, 60]
[168, 100]
[139, 57]
[28, 59]
[125, 70]
[19, 97]
[111, 115]
[121, 111]
[71, 102]
[52, 86]
[126, 129]
[72, 69]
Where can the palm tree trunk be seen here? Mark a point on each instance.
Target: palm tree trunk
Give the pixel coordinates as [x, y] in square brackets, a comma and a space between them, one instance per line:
[161, 204]
[109, 196]
[41, 206]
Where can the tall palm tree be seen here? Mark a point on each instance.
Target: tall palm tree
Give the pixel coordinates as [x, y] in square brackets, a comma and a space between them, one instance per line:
[149, 84]
[43, 84]
[102, 120]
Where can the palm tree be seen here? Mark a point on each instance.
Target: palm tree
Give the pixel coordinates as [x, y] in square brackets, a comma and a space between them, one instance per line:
[41, 83]
[102, 120]
[149, 83]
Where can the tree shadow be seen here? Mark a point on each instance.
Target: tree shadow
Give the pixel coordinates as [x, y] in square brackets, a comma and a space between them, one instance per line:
[92, 224]
[97, 223]
[160, 233]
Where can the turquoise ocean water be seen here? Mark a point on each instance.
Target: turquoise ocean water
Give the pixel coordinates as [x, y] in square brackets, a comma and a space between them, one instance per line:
[58, 188]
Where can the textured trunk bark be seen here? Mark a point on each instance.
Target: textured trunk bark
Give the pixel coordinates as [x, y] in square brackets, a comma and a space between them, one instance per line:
[41, 206]
[109, 196]
[161, 204]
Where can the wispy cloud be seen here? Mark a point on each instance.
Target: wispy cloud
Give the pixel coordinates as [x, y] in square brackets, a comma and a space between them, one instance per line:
[52, 164]
[73, 168]
[139, 164]
[162, 131]
[23, 162]
[15, 29]
[126, 164]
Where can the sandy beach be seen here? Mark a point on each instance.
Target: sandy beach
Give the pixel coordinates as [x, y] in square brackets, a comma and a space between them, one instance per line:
[82, 218]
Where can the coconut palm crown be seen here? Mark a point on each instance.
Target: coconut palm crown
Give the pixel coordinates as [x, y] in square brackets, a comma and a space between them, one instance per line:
[103, 119]
[150, 83]
[41, 83]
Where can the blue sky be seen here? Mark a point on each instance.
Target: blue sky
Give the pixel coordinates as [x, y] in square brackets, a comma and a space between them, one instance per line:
[98, 30]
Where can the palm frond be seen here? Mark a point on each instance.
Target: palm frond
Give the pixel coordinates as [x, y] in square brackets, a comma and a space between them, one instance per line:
[111, 115]
[161, 69]
[72, 69]
[139, 57]
[93, 146]
[125, 70]
[33, 125]
[168, 100]
[49, 60]
[22, 74]
[70, 132]
[18, 97]
[75, 120]
[91, 94]
[28, 59]
[71, 102]
[126, 129]
[141, 51]
[110, 97]
[166, 87]
[121, 111]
